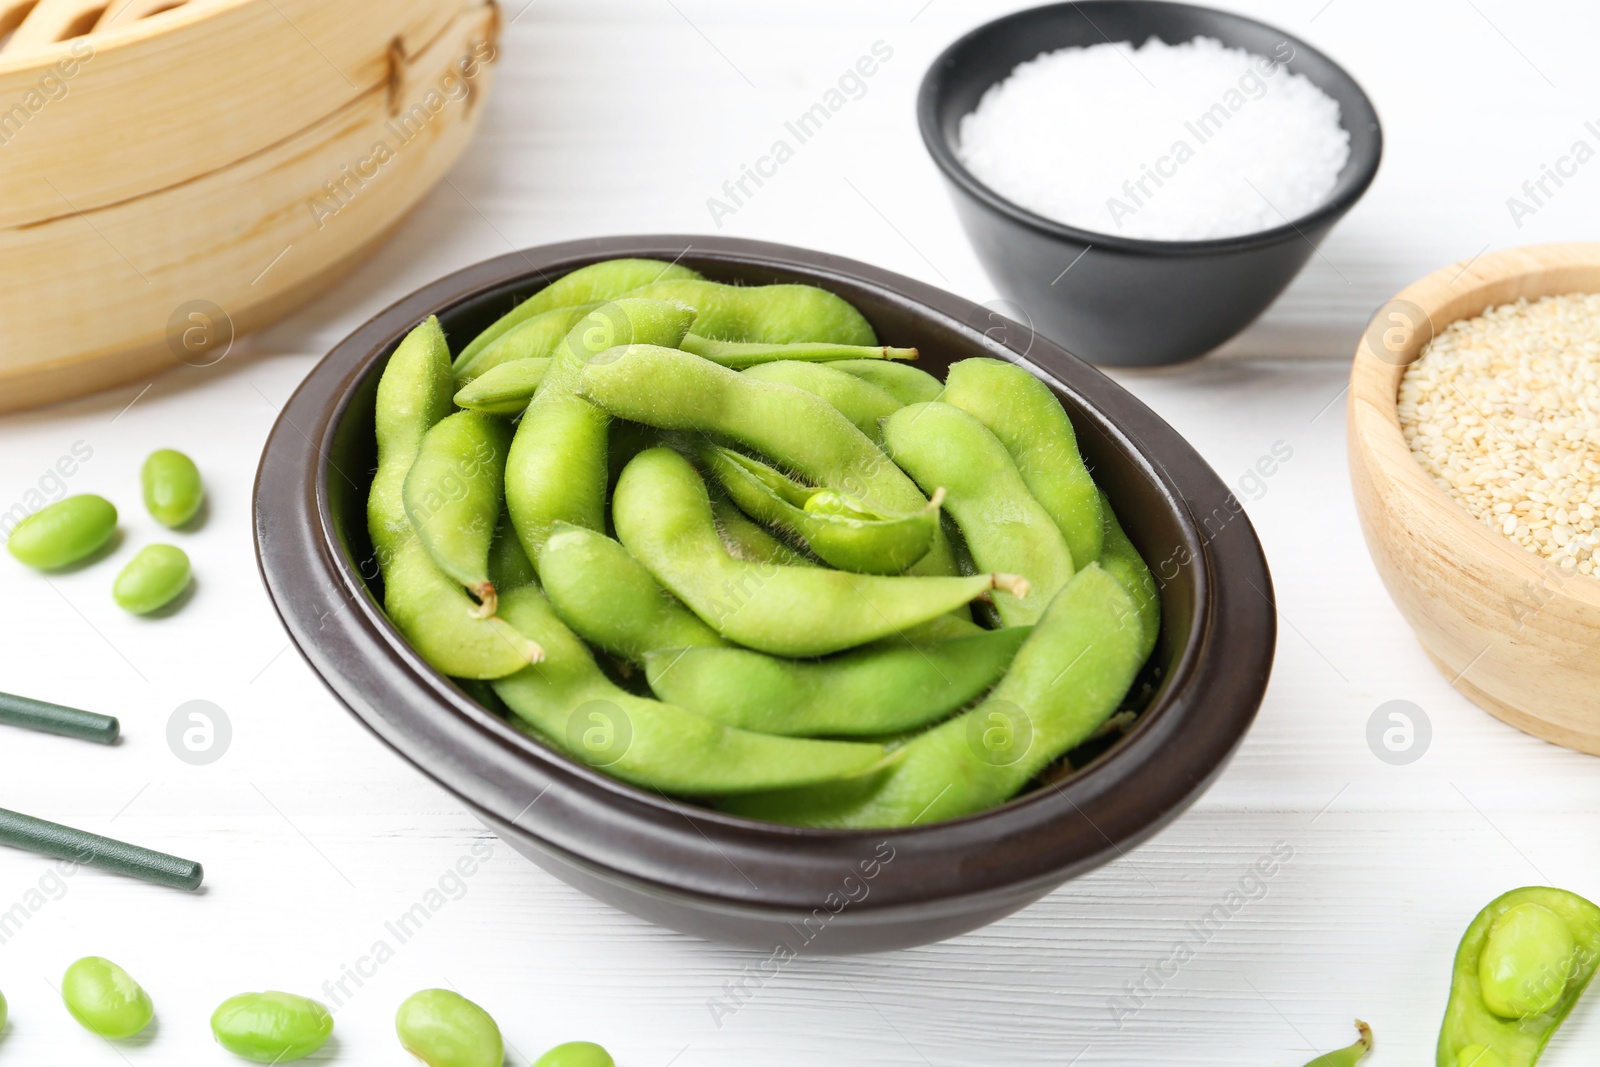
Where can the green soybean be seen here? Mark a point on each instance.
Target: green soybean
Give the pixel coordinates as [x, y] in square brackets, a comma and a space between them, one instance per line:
[1068, 677]
[1028, 419]
[907, 384]
[445, 1029]
[557, 470]
[881, 689]
[454, 493]
[594, 284]
[64, 532]
[1521, 967]
[799, 431]
[1005, 528]
[857, 399]
[505, 390]
[271, 1027]
[535, 338]
[509, 567]
[611, 600]
[1350, 1055]
[172, 490]
[105, 999]
[750, 541]
[663, 517]
[153, 578]
[1122, 561]
[434, 613]
[741, 354]
[576, 1054]
[769, 314]
[570, 704]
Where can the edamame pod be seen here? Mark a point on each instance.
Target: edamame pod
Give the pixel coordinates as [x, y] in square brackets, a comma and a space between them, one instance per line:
[1025, 415]
[504, 390]
[594, 284]
[609, 598]
[882, 689]
[750, 541]
[454, 493]
[105, 999]
[570, 704]
[509, 567]
[64, 532]
[172, 490]
[557, 469]
[798, 430]
[663, 517]
[445, 1029]
[741, 354]
[534, 339]
[1350, 1055]
[857, 399]
[435, 614]
[768, 314]
[1005, 527]
[271, 1027]
[153, 578]
[907, 384]
[1123, 562]
[1522, 965]
[836, 528]
[1067, 679]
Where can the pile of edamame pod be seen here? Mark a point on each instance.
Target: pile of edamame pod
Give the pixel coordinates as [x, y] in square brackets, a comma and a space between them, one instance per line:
[720, 542]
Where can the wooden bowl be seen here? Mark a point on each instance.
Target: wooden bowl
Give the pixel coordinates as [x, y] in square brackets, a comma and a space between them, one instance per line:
[177, 175]
[1511, 630]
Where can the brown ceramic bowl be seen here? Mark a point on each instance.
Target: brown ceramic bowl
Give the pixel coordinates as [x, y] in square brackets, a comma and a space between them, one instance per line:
[732, 879]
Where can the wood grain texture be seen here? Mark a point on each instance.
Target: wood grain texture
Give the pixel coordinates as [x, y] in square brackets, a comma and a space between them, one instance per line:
[1509, 628]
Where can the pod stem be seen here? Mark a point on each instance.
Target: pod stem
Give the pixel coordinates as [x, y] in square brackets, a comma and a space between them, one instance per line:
[936, 501]
[488, 600]
[906, 354]
[1015, 584]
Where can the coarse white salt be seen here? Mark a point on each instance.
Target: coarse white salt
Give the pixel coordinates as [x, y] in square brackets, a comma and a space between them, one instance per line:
[1166, 142]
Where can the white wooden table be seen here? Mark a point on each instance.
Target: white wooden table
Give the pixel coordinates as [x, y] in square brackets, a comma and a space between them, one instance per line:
[619, 117]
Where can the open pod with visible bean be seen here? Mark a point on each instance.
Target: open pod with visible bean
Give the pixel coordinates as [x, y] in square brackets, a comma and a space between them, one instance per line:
[1519, 971]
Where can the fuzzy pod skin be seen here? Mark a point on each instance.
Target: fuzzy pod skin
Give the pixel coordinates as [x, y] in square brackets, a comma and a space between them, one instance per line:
[153, 578]
[558, 467]
[576, 1054]
[172, 490]
[792, 428]
[869, 692]
[663, 517]
[857, 399]
[454, 493]
[434, 613]
[1025, 415]
[583, 288]
[1122, 561]
[741, 354]
[765, 314]
[748, 540]
[445, 1029]
[569, 703]
[505, 390]
[1005, 528]
[535, 338]
[907, 384]
[63, 533]
[271, 1027]
[1068, 678]
[105, 999]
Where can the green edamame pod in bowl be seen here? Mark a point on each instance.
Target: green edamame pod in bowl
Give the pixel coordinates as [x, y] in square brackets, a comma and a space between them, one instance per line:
[594, 284]
[153, 578]
[907, 384]
[1522, 965]
[64, 532]
[663, 517]
[271, 1027]
[534, 339]
[1122, 561]
[505, 390]
[1005, 528]
[445, 1029]
[172, 489]
[741, 354]
[747, 540]
[857, 399]
[837, 528]
[771, 314]
[454, 493]
[105, 999]
[1025, 415]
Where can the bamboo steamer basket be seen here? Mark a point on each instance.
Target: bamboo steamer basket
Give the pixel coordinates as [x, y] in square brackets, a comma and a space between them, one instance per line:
[1510, 629]
[172, 175]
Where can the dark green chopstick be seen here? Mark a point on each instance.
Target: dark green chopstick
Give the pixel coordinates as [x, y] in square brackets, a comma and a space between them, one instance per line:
[92, 850]
[55, 719]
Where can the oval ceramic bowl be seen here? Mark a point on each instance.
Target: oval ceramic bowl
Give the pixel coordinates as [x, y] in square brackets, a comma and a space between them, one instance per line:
[1121, 300]
[1511, 630]
[732, 879]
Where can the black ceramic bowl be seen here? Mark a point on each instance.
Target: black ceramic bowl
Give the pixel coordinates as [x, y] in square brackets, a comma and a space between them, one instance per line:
[731, 879]
[1127, 301]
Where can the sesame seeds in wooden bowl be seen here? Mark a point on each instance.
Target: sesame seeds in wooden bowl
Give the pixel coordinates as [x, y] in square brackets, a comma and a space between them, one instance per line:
[1475, 459]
